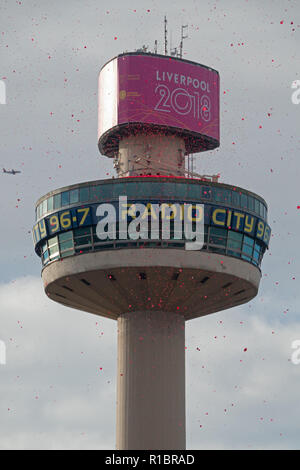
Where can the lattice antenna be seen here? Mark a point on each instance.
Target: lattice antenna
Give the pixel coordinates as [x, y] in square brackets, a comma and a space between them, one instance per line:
[166, 37]
[181, 41]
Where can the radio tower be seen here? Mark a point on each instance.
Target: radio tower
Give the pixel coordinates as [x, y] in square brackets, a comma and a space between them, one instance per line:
[153, 111]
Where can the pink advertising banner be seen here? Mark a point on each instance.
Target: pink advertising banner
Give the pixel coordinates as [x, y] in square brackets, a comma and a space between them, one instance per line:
[169, 92]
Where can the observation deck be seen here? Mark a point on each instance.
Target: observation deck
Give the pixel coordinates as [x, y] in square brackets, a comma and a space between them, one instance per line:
[108, 277]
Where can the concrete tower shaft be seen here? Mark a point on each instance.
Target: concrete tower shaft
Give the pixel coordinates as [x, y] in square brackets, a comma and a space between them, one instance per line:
[151, 154]
[151, 381]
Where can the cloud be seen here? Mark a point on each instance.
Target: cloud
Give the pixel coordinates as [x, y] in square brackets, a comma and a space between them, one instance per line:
[244, 381]
[58, 389]
[58, 386]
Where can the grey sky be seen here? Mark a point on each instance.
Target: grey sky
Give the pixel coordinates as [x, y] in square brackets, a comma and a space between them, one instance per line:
[53, 393]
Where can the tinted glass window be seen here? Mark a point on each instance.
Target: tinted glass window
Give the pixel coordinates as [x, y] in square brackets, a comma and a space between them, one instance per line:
[118, 189]
[243, 201]
[205, 192]
[247, 249]
[227, 196]
[250, 203]
[106, 190]
[181, 190]
[95, 193]
[157, 189]
[78, 232]
[169, 190]
[53, 250]
[52, 241]
[236, 200]
[82, 241]
[261, 211]
[44, 209]
[44, 247]
[65, 236]
[217, 236]
[136, 190]
[57, 201]
[256, 247]
[222, 232]
[65, 198]
[195, 192]
[248, 241]
[50, 204]
[74, 196]
[234, 236]
[247, 258]
[131, 189]
[218, 195]
[234, 242]
[256, 206]
[66, 245]
[84, 194]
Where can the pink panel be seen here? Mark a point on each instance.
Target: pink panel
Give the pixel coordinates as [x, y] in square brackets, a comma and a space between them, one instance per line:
[169, 92]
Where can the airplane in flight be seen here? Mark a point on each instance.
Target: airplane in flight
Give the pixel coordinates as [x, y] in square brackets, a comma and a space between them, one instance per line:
[11, 172]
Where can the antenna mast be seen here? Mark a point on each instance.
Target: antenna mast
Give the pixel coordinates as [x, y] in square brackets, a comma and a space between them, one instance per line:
[182, 38]
[166, 37]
